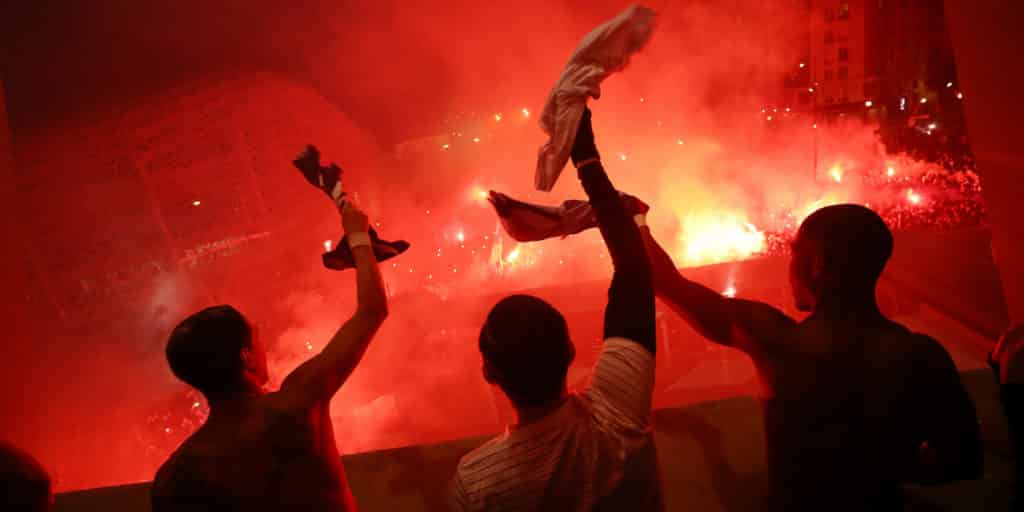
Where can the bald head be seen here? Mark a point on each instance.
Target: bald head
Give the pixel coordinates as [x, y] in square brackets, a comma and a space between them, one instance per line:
[840, 249]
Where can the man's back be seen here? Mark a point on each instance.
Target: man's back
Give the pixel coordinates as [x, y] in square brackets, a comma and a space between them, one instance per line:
[595, 452]
[845, 410]
[265, 457]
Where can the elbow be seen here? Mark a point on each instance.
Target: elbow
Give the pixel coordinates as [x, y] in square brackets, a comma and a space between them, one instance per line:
[377, 312]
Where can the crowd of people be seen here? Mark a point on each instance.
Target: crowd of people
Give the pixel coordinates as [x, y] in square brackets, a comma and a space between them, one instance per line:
[855, 405]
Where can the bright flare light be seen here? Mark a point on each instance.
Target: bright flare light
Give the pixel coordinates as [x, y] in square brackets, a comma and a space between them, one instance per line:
[959, 95]
[196, 203]
[924, 100]
[460, 236]
[327, 245]
[802, 65]
[836, 172]
[526, 112]
[913, 197]
[514, 255]
[729, 291]
[497, 117]
[716, 237]
[890, 172]
[869, 103]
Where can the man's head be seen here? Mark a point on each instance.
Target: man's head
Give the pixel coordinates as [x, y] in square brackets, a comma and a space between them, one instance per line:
[24, 484]
[526, 349]
[215, 352]
[839, 252]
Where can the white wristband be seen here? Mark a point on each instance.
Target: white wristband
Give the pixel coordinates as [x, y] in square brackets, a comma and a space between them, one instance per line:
[361, 239]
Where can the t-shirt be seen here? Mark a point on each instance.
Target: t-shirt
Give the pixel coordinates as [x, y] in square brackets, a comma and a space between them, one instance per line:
[594, 452]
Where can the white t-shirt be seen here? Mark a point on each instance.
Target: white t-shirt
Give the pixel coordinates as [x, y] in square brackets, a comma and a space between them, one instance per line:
[594, 452]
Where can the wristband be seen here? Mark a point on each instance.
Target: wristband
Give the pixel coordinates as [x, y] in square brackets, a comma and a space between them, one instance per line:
[588, 162]
[360, 239]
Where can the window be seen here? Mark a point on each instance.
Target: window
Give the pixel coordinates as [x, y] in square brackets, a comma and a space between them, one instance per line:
[828, 75]
[844, 11]
[844, 54]
[843, 73]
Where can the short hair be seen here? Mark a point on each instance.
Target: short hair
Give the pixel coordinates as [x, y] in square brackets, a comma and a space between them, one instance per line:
[853, 241]
[204, 350]
[24, 484]
[525, 341]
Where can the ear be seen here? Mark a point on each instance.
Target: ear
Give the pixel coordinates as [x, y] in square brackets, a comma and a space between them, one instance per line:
[247, 357]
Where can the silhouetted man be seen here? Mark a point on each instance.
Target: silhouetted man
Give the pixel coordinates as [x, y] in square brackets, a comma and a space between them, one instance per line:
[266, 450]
[1007, 360]
[572, 451]
[24, 484]
[854, 404]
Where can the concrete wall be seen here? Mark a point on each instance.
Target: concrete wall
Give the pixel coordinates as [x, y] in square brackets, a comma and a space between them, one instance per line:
[986, 41]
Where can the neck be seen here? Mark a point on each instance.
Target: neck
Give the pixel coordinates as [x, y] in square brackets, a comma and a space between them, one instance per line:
[233, 403]
[533, 413]
[854, 305]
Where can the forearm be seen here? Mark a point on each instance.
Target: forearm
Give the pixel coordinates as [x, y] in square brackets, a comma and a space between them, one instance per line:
[371, 297]
[630, 312]
[705, 310]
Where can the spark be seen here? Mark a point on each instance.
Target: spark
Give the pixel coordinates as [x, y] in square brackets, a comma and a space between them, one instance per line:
[623, 156]
[196, 405]
[959, 95]
[949, 84]
[476, 139]
[729, 291]
[932, 126]
[913, 197]
[815, 125]
[196, 202]
[460, 236]
[810, 89]
[679, 142]
[309, 346]
[903, 104]
[869, 103]
[642, 99]
[445, 147]
[526, 112]
[769, 118]
[924, 100]
[890, 172]
[327, 245]
[497, 117]
[802, 65]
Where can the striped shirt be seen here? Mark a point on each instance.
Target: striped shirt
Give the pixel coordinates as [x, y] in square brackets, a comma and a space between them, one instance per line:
[595, 452]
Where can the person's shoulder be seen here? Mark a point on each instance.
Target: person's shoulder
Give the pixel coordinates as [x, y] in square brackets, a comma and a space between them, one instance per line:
[483, 456]
[918, 349]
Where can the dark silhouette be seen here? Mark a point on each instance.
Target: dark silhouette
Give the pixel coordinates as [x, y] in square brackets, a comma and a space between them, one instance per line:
[266, 450]
[1007, 360]
[573, 451]
[24, 484]
[855, 404]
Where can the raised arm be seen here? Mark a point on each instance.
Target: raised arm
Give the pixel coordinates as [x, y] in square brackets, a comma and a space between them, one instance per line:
[318, 379]
[630, 312]
[743, 324]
